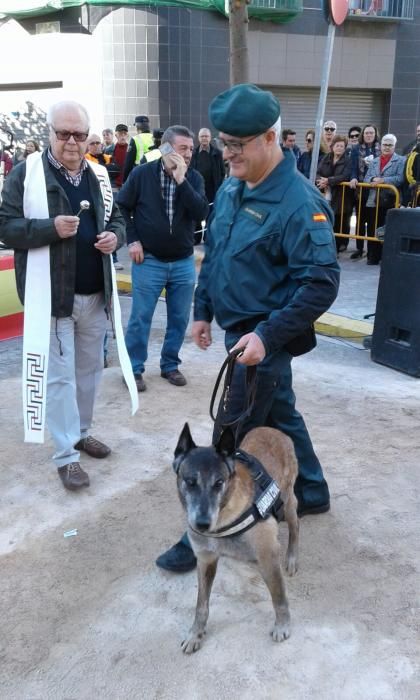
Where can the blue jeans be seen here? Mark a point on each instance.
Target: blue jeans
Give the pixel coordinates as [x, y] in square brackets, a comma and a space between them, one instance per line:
[275, 407]
[148, 280]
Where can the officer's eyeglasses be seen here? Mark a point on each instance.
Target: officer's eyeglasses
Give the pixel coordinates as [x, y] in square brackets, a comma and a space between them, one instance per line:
[78, 136]
[237, 147]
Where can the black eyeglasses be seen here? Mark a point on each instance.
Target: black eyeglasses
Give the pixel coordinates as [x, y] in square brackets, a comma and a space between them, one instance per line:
[236, 147]
[308, 140]
[329, 128]
[78, 136]
[354, 136]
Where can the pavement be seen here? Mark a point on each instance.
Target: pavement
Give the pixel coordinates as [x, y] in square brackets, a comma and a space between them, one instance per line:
[85, 612]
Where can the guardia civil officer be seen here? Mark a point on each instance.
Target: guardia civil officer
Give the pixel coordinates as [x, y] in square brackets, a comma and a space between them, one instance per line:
[270, 270]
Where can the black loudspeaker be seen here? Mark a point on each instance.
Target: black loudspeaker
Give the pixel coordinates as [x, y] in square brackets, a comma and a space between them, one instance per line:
[396, 332]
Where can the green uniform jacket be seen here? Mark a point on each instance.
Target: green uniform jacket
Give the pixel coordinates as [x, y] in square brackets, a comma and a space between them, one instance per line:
[22, 234]
[270, 251]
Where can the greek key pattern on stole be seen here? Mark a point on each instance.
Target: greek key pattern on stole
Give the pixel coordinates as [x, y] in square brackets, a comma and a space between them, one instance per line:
[35, 390]
[106, 189]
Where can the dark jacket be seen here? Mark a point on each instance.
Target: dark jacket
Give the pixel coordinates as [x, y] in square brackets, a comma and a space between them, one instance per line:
[340, 172]
[217, 171]
[269, 252]
[141, 198]
[305, 161]
[22, 234]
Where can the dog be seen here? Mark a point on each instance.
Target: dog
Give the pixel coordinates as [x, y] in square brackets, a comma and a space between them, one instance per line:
[216, 487]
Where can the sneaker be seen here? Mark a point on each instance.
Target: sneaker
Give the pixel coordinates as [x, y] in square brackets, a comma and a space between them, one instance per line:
[307, 509]
[180, 558]
[93, 447]
[118, 266]
[174, 377]
[356, 255]
[73, 476]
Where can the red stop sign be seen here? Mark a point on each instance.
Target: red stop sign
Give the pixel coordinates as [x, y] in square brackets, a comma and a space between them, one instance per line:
[336, 10]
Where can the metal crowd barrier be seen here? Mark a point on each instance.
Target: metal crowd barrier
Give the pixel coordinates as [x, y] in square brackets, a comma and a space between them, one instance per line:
[359, 187]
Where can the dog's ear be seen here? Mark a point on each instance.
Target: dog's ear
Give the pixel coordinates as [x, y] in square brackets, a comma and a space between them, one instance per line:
[226, 448]
[226, 443]
[185, 444]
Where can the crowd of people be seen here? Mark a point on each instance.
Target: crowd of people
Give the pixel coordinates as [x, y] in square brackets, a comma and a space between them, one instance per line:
[270, 267]
[360, 156]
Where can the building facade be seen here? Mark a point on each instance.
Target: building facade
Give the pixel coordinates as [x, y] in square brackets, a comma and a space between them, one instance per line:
[168, 63]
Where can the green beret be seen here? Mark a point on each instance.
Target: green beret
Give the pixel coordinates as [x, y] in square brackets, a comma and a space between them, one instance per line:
[244, 110]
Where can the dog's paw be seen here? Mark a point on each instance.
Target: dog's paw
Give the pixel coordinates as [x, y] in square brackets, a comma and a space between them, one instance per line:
[281, 631]
[192, 643]
[291, 565]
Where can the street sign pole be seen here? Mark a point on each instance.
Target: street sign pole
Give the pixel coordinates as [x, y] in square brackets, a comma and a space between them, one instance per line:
[322, 99]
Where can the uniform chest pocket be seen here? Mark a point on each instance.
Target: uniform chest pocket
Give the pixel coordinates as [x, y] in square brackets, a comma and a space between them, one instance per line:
[323, 245]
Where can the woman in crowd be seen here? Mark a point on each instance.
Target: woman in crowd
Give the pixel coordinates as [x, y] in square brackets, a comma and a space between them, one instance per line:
[30, 147]
[368, 148]
[388, 168]
[334, 169]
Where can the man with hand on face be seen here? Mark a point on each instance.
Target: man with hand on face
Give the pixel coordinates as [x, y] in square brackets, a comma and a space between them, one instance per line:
[80, 270]
[269, 271]
[160, 202]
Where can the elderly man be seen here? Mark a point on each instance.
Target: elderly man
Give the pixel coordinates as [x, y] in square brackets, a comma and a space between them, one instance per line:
[208, 160]
[270, 270]
[161, 201]
[80, 270]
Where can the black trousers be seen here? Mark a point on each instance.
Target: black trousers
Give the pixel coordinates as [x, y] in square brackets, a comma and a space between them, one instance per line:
[374, 250]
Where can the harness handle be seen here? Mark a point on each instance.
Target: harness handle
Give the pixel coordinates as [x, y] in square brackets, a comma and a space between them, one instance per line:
[251, 388]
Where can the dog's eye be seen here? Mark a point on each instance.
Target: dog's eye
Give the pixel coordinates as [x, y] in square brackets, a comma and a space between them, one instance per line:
[218, 484]
[191, 483]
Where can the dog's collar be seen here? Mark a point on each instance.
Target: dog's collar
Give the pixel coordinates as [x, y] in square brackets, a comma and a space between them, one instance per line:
[267, 500]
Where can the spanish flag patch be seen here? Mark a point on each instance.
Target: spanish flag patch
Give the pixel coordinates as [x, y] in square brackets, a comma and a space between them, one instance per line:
[319, 217]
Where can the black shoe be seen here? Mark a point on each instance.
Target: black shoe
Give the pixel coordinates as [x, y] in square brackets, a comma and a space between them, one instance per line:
[175, 377]
[178, 559]
[372, 262]
[356, 255]
[73, 476]
[307, 509]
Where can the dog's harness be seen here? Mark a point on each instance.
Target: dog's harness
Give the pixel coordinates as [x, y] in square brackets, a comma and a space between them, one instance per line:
[267, 500]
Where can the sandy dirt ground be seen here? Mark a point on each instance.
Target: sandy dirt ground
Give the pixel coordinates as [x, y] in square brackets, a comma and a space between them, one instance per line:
[91, 616]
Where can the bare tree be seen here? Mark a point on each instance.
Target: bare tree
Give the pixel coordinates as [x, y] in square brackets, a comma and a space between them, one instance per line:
[238, 32]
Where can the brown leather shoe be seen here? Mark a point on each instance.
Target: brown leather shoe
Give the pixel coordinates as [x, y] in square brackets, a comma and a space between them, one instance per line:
[175, 377]
[73, 476]
[141, 386]
[93, 447]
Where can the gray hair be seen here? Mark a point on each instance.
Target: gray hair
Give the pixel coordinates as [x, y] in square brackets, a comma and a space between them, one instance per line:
[172, 131]
[389, 137]
[276, 128]
[69, 105]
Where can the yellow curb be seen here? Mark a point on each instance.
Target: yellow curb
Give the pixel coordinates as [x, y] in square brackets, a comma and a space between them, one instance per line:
[343, 327]
[123, 282]
[328, 324]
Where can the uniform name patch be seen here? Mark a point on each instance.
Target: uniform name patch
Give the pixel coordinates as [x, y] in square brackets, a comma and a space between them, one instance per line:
[319, 217]
[258, 216]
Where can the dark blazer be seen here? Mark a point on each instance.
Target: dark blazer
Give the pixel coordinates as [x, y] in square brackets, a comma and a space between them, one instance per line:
[142, 205]
[337, 173]
[21, 234]
[217, 171]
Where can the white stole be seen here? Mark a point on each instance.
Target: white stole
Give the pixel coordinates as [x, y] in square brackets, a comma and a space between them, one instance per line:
[37, 307]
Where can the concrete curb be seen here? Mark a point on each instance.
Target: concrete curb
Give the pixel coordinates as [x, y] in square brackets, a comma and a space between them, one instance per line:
[328, 324]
